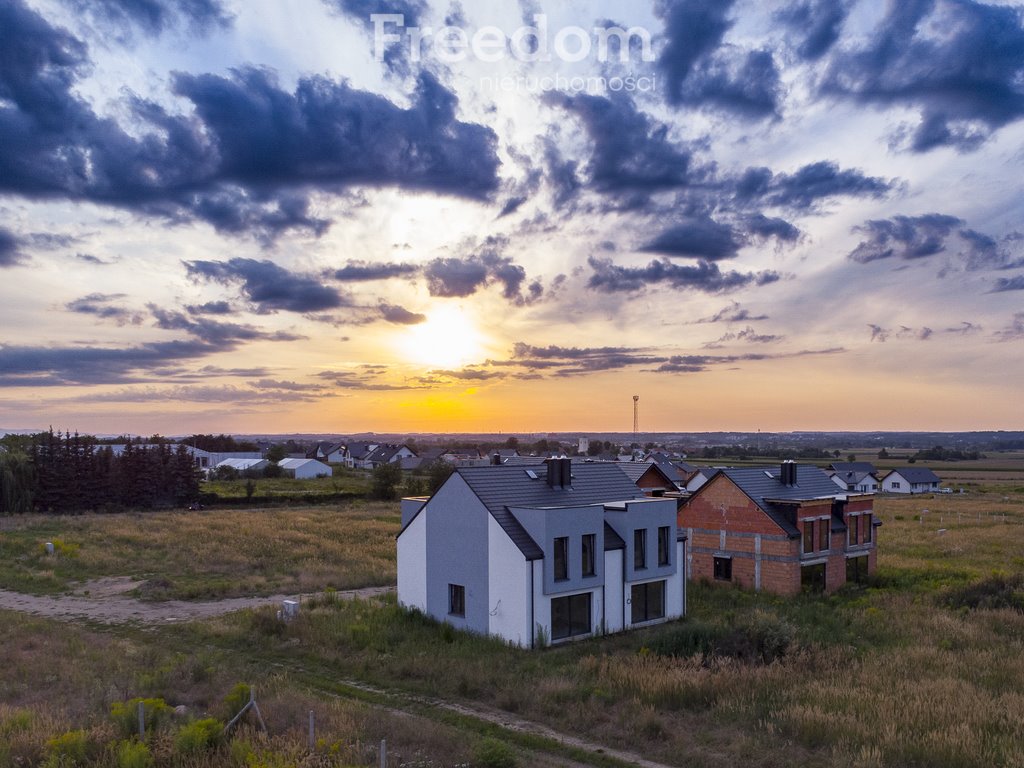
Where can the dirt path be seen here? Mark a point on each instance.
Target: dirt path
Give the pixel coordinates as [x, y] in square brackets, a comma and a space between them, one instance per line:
[104, 600]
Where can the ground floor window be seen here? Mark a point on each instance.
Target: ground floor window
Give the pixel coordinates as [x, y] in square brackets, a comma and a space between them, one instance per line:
[648, 601]
[723, 569]
[857, 569]
[570, 616]
[812, 577]
[456, 600]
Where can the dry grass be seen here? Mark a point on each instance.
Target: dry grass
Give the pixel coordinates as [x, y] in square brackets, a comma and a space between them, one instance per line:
[215, 553]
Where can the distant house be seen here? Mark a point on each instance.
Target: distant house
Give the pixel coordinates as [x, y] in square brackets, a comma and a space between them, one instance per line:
[359, 452]
[650, 477]
[854, 466]
[698, 477]
[779, 530]
[305, 469]
[388, 454]
[330, 453]
[546, 553]
[856, 482]
[911, 480]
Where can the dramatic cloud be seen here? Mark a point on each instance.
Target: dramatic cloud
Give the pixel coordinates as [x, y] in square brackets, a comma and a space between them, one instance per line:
[395, 54]
[1008, 284]
[818, 23]
[918, 237]
[365, 271]
[245, 160]
[748, 335]
[463, 276]
[808, 185]
[154, 16]
[101, 305]
[400, 315]
[960, 62]
[269, 286]
[211, 308]
[699, 238]
[764, 227]
[9, 249]
[215, 332]
[706, 277]
[702, 72]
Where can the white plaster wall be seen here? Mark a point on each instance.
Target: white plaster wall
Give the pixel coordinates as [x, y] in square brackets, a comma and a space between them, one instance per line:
[541, 602]
[412, 565]
[675, 589]
[613, 590]
[508, 587]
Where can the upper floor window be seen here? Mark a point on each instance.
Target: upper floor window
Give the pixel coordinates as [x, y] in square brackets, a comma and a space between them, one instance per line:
[589, 559]
[823, 532]
[866, 538]
[640, 549]
[561, 558]
[808, 536]
[854, 521]
[664, 544]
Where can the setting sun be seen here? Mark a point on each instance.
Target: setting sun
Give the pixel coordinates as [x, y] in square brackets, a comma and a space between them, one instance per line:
[448, 339]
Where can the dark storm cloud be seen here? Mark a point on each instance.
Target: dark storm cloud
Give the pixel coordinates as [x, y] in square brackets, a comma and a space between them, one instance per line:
[631, 152]
[400, 315]
[702, 72]
[457, 276]
[961, 63]
[154, 17]
[705, 277]
[211, 308]
[904, 237]
[764, 227]
[214, 331]
[102, 305]
[246, 159]
[808, 185]
[10, 253]
[269, 286]
[365, 271]
[699, 238]
[1008, 284]
[817, 23]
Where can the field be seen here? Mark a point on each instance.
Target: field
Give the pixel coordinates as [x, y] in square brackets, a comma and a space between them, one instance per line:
[925, 666]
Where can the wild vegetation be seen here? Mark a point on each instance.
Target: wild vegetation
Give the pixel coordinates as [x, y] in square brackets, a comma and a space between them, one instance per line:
[923, 666]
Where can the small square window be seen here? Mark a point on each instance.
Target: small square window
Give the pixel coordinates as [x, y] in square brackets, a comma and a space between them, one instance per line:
[723, 569]
[456, 600]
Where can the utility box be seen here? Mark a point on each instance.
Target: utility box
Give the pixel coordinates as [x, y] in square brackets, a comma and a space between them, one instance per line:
[289, 609]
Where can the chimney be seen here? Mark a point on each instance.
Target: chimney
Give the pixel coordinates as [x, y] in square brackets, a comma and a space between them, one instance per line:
[554, 473]
[496, 460]
[788, 473]
[566, 472]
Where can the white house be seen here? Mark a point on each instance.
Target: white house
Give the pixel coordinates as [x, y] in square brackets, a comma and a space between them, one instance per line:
[856, 482]
[305, 469]
[911, 480]
[542, 554]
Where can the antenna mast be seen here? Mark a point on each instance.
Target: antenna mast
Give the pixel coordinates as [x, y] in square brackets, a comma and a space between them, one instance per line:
[636, 417]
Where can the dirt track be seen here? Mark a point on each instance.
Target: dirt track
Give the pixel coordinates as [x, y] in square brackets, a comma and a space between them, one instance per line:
[104, 600]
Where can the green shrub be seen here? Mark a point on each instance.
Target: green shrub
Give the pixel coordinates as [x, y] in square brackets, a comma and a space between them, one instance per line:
[491, 753]
[237, 699]
[997, 591]
[126, 714]
[133, 754]
[69, 749]
[198, 736]
[758, 637]
[61, 548]
[690, 639]
[18, 721]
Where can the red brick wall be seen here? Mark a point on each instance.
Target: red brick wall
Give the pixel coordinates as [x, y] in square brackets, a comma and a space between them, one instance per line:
[705, 510]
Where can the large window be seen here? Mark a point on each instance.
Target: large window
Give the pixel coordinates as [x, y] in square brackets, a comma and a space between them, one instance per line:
[812, 577]
[456, 600]
[561, 558]
[640, 549]
[664, 544]
[823, 532]
[857, 569]
[589, 547]
[851, 526]
[723, 569]
[648, 601]
[866, 520]
[808, 536]
[570, 616]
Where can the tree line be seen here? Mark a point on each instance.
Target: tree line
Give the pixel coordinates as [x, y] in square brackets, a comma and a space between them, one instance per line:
[70, 473]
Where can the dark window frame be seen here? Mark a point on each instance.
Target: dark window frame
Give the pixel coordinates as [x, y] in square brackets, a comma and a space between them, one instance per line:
[664, 545]
[561, 558]
[640, 549]
[457, 600]
[824, 535]
[588, 553]
[641, 603]
[866, 535]
[578, 612]
[852, 529]
[808, 537]
[722, 568]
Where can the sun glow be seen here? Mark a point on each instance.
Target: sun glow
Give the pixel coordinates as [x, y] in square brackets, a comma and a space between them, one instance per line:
[448, 339]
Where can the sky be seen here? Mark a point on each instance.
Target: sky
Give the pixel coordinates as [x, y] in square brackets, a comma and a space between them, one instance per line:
[338, 216]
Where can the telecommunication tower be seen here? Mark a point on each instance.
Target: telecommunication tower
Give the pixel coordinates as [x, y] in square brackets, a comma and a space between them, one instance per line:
[636, 417]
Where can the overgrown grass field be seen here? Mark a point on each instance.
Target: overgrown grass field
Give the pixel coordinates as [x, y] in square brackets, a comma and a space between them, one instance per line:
[206, 554]
[923, 667]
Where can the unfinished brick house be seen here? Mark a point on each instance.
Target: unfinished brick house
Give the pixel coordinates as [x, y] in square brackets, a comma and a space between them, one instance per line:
[780, 530]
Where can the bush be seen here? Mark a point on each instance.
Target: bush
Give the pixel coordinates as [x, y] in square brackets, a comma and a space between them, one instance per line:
[133, 754]
[18, 721]
[690, 639]
[237, 699]
[757, 637]
[126, 714]
[199, 736]
[491, 753]
[69, 749]
[997, 591]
